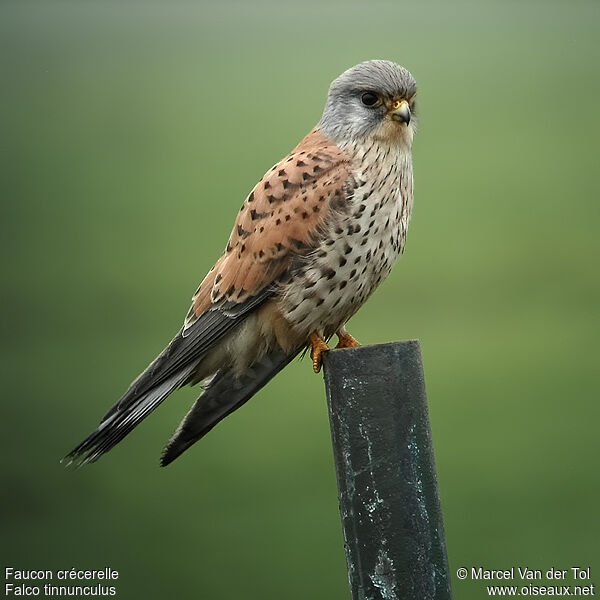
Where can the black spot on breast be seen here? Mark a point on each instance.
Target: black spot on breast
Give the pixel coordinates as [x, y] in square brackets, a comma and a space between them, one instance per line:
[343, 261]
[357, 213]
[267, 185]
[343, 285]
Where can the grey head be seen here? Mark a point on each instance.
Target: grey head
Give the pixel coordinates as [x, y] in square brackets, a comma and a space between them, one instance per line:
[375, 98]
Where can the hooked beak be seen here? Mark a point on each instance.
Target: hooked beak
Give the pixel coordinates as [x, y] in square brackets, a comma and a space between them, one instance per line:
[401, 111]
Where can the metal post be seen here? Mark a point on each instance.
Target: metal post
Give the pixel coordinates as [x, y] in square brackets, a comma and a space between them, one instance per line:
[388, 492]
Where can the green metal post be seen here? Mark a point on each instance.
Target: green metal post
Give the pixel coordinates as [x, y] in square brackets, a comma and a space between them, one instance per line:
[388, 491]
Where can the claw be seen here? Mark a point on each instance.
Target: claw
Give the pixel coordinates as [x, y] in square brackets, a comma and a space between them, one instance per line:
[319, 346]
[346, 340]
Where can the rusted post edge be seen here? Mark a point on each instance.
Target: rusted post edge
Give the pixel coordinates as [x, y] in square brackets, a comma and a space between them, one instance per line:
[388, 491]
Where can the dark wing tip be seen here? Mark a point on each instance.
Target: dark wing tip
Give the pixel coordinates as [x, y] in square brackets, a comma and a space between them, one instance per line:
[168, 455]
[222, 395]
[183, 438]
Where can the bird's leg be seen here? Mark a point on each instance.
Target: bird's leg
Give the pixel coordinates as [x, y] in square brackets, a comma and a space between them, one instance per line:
[346, 340]
[316, 353]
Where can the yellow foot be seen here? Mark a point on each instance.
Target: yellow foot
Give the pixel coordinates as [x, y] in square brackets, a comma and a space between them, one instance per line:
[346, 340]
[318, 347]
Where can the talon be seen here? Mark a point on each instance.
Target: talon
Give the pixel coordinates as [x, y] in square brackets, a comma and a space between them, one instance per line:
[319, 346]
[346, 340]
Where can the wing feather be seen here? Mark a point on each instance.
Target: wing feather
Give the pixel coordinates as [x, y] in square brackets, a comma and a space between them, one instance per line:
[280, 219]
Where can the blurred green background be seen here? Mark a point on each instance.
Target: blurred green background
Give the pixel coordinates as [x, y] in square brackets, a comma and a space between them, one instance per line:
[131, 133]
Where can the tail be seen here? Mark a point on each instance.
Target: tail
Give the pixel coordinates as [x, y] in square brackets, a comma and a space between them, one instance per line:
[172, 368]
[222, 395]
[118, 423]
[178, 364]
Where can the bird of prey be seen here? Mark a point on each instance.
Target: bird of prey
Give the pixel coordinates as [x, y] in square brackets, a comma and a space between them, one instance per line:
[311, 242]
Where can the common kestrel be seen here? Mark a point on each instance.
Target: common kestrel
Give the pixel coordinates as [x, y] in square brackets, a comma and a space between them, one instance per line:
[313, 239]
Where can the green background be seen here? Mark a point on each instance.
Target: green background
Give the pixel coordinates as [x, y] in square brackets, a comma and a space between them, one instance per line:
[131, 133]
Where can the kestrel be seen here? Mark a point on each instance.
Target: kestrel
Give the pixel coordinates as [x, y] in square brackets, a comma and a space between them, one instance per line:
[312, 241]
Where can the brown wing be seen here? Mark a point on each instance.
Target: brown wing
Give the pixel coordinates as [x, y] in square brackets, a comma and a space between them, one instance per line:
[278, 220]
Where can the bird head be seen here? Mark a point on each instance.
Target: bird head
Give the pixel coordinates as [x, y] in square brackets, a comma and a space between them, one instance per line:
[374, 100]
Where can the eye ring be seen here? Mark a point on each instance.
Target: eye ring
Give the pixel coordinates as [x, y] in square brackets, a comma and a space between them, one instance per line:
[370, 99]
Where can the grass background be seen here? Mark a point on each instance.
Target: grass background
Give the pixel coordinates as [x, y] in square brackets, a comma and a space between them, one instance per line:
[131, 133]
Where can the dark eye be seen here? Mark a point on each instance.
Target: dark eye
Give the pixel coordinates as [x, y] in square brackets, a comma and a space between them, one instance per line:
[369, 99]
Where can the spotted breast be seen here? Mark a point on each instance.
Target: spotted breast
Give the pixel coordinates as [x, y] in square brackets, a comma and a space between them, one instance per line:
[359, 244]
